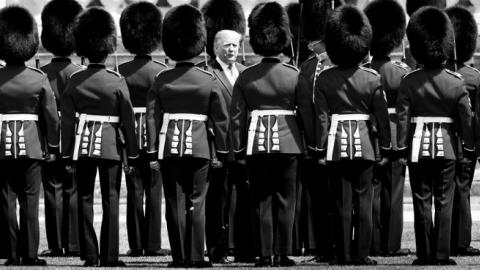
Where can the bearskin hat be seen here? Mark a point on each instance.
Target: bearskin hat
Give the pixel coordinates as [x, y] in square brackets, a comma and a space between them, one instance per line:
[466, 31]
[414, 5]
[315, 14]
[269, 29]
[95, 34]
[184, 33]
[388, 22]
[58, 20]
[18, 34]
[293, 12]
[431, 35]
[141, 27]
[348, 35]
[222, 15]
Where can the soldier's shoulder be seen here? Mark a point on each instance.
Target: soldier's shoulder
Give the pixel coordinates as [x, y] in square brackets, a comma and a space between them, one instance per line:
[163, 72]
[370, 71]
[454, 74]
[250, 68]
[36, 71]
[290, 67]
[114, 73]
[400, 65]
[77, 72]
[163, 65]
[204, 72]
[412, 73]
[472, 69]
[327, 71]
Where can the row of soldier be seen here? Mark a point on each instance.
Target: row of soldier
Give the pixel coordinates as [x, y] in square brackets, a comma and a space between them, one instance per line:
[201, 128]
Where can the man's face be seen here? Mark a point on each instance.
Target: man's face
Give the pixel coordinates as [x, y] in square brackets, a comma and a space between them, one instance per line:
[227, 45]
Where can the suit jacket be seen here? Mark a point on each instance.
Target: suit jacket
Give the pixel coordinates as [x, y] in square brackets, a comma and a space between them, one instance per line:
[227, 91]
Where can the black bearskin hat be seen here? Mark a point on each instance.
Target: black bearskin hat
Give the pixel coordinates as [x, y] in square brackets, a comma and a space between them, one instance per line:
[18, 34]
[431, 35]
[466, 31]
[414, 5]
[315, 16]
[95, 34]
[58, 20]
[293, 12]
[269, 29]
[222, 15]
[184, 34]
[348, 35]
[388, 22]
[141, 27]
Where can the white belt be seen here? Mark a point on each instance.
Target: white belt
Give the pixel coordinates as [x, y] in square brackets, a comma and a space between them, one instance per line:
[254, 117]
[16, 117]
[392, 111]
[417, 135]
[139, 110]
[84, 118]
[167, 117]
[334, 125]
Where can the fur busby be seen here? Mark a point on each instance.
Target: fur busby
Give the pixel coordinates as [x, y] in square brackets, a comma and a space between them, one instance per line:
[414, 5]
[222, 15]
[95, 34]
[293, 12]
[315, 16]
[269, 29]
[141, 27]
[388, 22]
[184, 34]
[18, 34]
[466, 31]
[431, 35]
[348, 35]
[58, 20]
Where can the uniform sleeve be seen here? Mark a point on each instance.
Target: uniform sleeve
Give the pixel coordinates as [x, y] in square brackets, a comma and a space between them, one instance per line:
[465, 116]
[381, 116]
[321, 118]
[219, 116]
[50, 115]
[127, 119]
[304, 97]
[154, 114]
[68, 122]
[403, 114]
[238, 118]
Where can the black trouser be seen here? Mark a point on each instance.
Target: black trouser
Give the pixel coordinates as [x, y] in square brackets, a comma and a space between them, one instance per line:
[144, 229]
[462, 216]
[351, 184]
[110, 172]
[21, 179]
[218, 211]
[61, 212]
[273, 179]
[185, 185]
[432, 178]
[388, 185]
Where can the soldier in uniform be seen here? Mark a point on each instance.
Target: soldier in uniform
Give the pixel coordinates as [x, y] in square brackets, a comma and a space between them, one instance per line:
[180, 105]
[225, 24]
[61, 213]
[271, 141]
[314, 18]
[100, 137]
[347, 99]
[29, 133]
[433, 108]
[388, 22]
[466, 32]
[140, 25]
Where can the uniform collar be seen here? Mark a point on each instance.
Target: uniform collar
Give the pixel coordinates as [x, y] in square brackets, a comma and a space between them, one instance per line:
[96, 65]
[185, 64]
[143, 56]
[271, 60]
[61, 59]
[380, 58]
[15, 64]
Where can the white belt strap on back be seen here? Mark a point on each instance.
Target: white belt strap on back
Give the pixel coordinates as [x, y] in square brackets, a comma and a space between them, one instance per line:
[139, 110]
[16, 117]
[254, 117]
[167, 117]
[336, 118]
[417, 135]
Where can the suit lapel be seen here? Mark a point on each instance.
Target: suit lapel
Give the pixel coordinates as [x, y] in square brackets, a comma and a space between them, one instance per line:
[217, 70]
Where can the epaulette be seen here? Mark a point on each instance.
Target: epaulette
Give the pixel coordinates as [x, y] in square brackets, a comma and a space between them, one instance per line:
[78, 71]
[374, 72]
[163, 71]
[472, 68]
[456, 74]
[160, 63]
[114, 72]
[411, 72]
[401, 65]
[290, 66]
[36, 69]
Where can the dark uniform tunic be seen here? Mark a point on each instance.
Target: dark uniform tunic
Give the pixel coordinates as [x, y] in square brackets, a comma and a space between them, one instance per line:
[144, 229]
[432, 150]
[272, 142]
[61, 201]
[179, 105]
[389, 180]
[345, 100]
[103, 95]
[29, 128]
